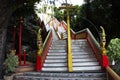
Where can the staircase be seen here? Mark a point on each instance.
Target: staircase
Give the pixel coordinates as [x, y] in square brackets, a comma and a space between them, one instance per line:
[82, 55]
[85, 65]
[57, 57]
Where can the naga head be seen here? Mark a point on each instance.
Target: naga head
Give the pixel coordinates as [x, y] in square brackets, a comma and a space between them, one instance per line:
[103, 37]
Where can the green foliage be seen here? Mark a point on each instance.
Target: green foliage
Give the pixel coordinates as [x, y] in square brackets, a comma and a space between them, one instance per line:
[59, 14]
[113, 49]
[75, 17]
[11, 62]
[104, 13]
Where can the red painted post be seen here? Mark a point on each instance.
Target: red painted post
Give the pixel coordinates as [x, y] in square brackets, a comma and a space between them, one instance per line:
[20, 41]
[39, 63]
[25, 57]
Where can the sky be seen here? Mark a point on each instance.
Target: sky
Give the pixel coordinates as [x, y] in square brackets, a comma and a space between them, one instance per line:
[77, 2]
[74, 2]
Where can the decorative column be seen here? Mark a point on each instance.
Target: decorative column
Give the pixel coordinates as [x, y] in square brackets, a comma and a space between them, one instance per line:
[39, 52]
[105, 61]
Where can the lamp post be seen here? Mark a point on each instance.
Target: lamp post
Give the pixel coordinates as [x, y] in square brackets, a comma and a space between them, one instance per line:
[67, 7]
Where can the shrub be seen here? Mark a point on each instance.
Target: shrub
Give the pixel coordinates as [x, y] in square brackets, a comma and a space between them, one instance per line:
[11, 62]
[113, 49]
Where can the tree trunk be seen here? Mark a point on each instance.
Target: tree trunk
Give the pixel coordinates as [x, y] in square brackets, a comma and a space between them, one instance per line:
[6, 11]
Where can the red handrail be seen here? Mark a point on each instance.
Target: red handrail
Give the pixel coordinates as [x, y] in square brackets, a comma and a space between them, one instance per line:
[96, 49]
[111, 74]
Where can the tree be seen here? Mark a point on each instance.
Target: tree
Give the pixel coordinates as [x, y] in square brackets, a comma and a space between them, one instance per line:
[59, 14]
[7, 7]
[104, 13]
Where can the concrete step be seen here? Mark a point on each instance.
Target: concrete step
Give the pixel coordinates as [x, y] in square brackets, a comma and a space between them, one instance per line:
[73, 41]
[73, 50]
[54, 78]
[61, 45]
[87, 68]
[65, 56]
[75, 64]
[85, 60]
[55, 50]
[56, 57]
[55, 64]
[74, 60]
[61, 76]
[58, 54]
[73, 47]
[55, 69]
[73, 53]
[80, 44]
[65, 74]
[58, 47]
[55, 61]
[82, 56]
[81, 52]
[76, 45]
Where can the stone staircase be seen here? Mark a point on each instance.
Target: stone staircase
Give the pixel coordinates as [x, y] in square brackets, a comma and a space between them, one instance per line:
[85, 65]
[61, 76]
[82, 55]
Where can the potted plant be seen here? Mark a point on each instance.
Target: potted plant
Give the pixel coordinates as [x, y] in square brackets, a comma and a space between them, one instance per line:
[11, 63]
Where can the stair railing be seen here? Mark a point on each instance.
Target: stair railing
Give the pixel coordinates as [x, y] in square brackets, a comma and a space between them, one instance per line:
[45, 48]
[111, 74]
[99, 52]
[95, 46]
[70, 68]
[105, 63]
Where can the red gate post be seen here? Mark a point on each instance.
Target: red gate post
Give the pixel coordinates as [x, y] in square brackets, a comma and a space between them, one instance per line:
[20, 42]
[25, 54]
